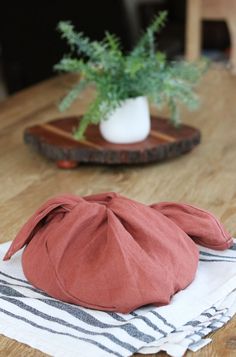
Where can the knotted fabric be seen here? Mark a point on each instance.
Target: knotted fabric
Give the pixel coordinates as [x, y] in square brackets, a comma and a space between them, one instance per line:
[112, 253]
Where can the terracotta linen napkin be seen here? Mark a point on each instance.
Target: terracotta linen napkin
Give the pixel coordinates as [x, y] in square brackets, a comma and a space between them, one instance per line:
[57, 328]
[111, 253]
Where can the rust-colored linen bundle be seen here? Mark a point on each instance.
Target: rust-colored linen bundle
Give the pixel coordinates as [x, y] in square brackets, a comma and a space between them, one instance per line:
[112, 253]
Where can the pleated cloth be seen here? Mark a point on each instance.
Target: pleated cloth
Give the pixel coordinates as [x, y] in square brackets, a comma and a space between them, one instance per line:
[111, 253]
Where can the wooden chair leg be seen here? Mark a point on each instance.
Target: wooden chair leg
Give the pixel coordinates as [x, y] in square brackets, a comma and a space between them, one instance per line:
[232, 31]
[193, 30]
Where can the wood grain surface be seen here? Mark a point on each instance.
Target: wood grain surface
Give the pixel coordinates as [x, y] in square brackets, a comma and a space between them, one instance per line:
[206, 177]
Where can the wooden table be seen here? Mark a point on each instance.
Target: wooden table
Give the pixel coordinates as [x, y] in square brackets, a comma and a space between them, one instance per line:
[205, 177]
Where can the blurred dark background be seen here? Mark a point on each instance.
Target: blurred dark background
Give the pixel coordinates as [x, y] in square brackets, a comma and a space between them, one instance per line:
[30, 44]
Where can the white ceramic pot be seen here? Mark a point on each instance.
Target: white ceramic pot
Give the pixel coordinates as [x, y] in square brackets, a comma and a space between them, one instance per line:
[130, 123]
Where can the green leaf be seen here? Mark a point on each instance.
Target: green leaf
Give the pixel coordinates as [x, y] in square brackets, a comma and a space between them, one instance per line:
[72, 95]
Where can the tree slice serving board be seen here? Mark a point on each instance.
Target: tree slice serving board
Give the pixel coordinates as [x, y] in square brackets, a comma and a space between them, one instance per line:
[54, 140]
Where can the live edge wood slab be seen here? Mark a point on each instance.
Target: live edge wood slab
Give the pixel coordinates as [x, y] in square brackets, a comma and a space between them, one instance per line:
[55, 141]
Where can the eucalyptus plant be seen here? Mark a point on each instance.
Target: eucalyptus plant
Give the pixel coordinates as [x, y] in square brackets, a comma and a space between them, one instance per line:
[144, 71]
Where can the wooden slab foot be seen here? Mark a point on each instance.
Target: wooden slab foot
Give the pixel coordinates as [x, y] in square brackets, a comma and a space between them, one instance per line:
[67, 164]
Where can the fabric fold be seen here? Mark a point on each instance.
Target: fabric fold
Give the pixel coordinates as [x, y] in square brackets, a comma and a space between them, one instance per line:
[202, 226]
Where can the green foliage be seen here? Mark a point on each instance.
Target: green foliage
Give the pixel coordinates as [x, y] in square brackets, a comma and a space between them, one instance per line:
[118, 76]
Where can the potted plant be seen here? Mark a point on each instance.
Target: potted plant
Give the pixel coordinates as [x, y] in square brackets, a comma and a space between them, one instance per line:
[126, 82]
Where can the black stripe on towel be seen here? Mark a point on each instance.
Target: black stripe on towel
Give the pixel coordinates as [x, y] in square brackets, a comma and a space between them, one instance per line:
[233, 247]
[217, 256]
[207, 314]
[149, 323]
[91, 320]
[216, 260]
[77, 312]
[9, 291]
[17, 279]
[39, 292]
[97, 344]
[47, 317]
[163, 319]
[136, 316]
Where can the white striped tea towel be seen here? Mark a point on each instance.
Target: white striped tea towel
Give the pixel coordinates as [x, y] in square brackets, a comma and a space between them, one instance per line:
[60, 329]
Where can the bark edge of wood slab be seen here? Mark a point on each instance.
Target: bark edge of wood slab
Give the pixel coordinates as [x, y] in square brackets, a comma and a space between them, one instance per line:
[54, 140]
